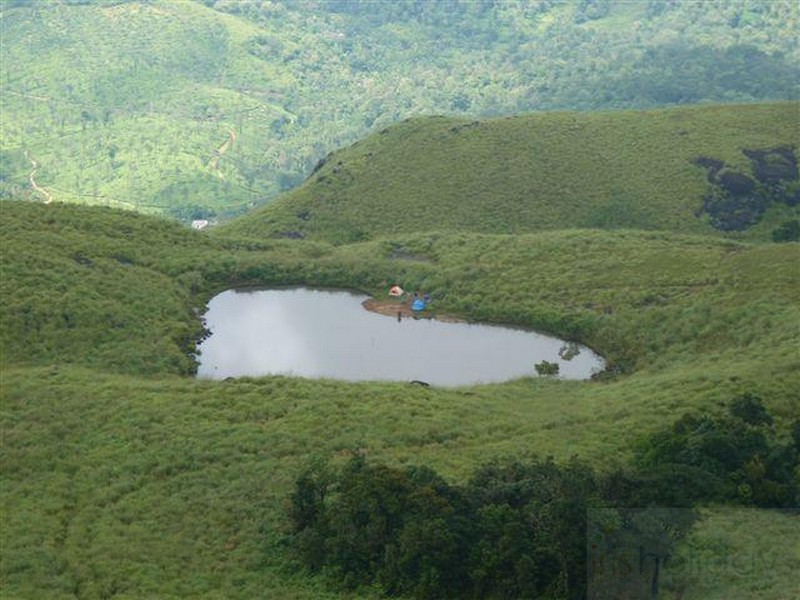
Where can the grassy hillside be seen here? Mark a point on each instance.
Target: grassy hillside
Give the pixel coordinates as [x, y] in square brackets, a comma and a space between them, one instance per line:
[530, 173]
[195, 108]
[122, 477]
[174, 488]
[109, 289]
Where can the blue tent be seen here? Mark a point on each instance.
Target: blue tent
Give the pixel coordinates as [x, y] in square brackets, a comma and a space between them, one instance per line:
[419, 304]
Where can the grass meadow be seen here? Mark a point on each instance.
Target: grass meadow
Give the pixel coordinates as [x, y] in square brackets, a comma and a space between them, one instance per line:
[545, 171]
[123, 476]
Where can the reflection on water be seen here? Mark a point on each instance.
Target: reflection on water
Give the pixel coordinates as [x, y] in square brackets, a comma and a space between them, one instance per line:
[324, 333]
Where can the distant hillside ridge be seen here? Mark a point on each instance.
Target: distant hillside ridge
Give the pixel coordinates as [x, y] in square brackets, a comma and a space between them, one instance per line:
[204, 109]
[543, 171]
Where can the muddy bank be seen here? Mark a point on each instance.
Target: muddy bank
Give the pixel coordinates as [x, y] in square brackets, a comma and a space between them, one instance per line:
[394, 308]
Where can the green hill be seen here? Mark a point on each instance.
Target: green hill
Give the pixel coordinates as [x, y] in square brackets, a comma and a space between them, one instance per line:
[611, 170]
[645, 234]
[123, 477]
[196, 109]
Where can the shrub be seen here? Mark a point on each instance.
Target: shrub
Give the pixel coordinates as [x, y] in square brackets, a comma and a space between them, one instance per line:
[546, 368]
[788, 231]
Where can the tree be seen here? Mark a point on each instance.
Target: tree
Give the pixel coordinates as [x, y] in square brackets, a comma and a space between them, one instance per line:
[750, 409]
[736, 457]
[546, 368]
[788, 231]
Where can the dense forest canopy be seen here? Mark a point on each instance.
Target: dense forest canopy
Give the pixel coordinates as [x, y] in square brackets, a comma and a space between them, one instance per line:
[201, 108]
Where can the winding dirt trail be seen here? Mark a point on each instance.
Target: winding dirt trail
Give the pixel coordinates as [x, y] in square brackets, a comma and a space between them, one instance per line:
[48, 197]
[226, 145]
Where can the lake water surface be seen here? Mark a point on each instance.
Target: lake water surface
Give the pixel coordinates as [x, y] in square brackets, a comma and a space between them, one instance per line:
[326, 333]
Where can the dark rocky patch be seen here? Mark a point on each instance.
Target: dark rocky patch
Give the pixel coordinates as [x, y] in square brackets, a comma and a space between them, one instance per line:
[82, 260]
[774, 165]
[792, 197]
[123, 260]
[730, 212]
[304, 215]
[777, 171]
[736, 184]
[736, 200]
[713, 166]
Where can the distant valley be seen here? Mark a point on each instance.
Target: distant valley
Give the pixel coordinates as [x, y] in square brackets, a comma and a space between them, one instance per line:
[207, 109]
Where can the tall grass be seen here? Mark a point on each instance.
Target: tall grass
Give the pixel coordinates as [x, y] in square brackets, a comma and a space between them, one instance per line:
[122, 476]
[614, 170]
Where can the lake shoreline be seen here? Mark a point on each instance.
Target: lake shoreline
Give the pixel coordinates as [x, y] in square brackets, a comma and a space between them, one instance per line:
[318, 333]
[402, 309]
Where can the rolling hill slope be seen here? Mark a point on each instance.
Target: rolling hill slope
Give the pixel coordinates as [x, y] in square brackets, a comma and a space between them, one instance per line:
[538, 172]
[193, 108]
[123, 477]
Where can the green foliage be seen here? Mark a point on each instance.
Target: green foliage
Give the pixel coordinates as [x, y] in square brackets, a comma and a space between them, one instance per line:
[751, 410]
[527, 529]
[531, 173]
[160, 105]
[677, 73]
[546, 368]
[515, 530]
[120, 475]
[629, 549]
[789, 231]
[734, 458]
[84, 288]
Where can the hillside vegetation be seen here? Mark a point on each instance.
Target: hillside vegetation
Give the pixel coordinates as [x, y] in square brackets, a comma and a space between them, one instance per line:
[122, 477]
[628, 169]
[195, 109]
